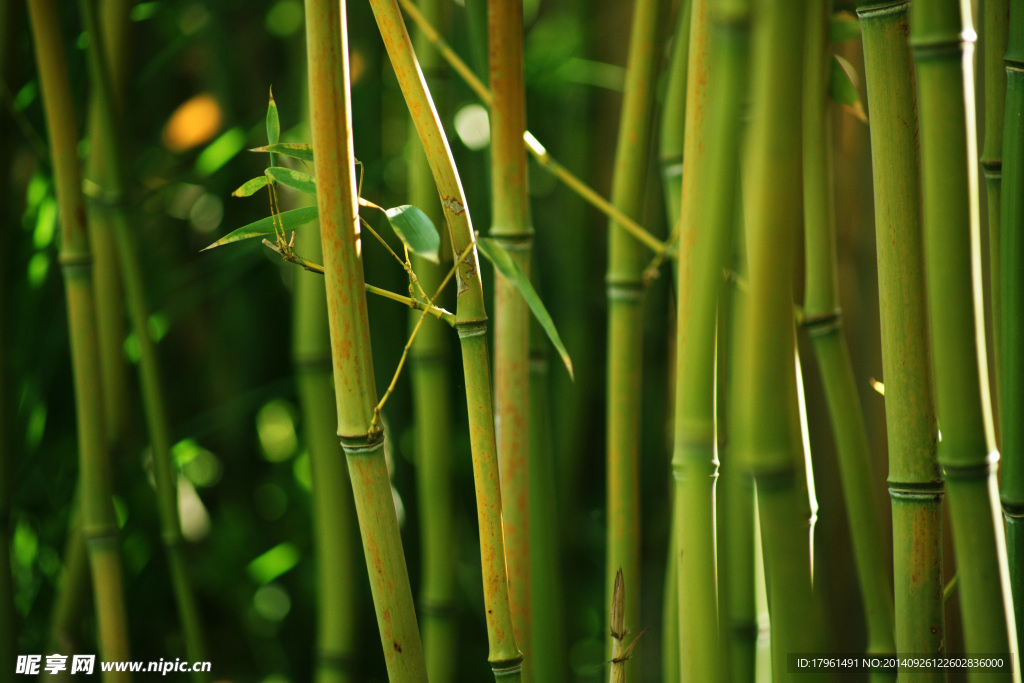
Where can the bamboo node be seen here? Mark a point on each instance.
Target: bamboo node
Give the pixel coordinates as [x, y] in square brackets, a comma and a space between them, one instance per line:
[883, 9]
[818, 324]
[971, 471]
[362, 444]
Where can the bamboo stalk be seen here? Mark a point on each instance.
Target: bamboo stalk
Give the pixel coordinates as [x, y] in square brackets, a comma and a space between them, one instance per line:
[106, 166]
[355, 393]
[625, 288]
[822, 319]
[915, 480]
[1012, 369]
[942, 39]
[766, 436]
[99, 526]
[471, 322]
[511, 227]
[431, 370]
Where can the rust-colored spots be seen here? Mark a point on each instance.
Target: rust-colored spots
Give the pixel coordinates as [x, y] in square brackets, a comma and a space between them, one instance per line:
[452, 205]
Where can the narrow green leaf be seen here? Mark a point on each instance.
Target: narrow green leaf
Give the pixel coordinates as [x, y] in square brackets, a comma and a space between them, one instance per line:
[303, 182]
[298, 150]
[842, 87]
[417, 231]
[250, 187]
[273, 121]
[501, 259]
[843, 27]
[265, 226]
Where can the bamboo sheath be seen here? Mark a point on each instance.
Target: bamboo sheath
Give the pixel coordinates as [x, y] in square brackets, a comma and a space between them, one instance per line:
[1012, 367]
[430, 375]
[355, 393]
[471, 323]
[99, 525]
[942, 40]
[626, 261]
[915, 480]
[511, 227]
[822, 320]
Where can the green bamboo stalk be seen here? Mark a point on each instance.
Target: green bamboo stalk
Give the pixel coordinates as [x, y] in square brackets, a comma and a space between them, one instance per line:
[996, 15]
[822, 319]
[766, 433]
[105, 156]
[1012, 370]
[625, 286]
[430, 367]
[915, 480]
[942, 39]
[355, 393]
[334, 519]
[471, 322]
[512, 228]
[99, 526]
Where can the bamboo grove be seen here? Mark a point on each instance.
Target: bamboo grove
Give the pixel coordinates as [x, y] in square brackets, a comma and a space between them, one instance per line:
[670, 340]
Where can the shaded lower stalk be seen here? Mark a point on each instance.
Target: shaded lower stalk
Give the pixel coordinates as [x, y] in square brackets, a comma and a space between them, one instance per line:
[106, 165]
[430, 375]
[351, 353]
[915, 480]
[625, 286]
[471, 323]
[1012, 370]
[823, 322]
[334, 518]
[511, 227]
[941, 36]
[99, 525]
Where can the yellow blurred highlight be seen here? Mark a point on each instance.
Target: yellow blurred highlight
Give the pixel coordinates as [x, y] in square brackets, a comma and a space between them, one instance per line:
[194, 122]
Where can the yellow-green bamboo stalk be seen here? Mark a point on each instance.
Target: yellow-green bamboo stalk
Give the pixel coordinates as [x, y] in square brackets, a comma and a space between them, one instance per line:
[99, 525]
[430, 375]
[471, 322]
[915, 480]
[766, 434]
[334, 518]
[105, 166]
[511, 227]
[355, 393]
[626, 261]
[1012, 368]
[942, 37]
[822, 319]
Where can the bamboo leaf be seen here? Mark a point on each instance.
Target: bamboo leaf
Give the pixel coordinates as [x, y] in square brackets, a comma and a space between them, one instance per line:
[501, 259]
[843, 27]
[273, 121]
[417, 231]
[298, 180]
[297, 150]
[842, 87]
[250, 187]
[265, 226]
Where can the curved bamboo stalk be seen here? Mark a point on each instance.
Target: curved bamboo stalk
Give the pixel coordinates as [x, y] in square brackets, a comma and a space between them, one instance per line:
[471, 322]
[915, 480]
[99, 526]
[942, 40]
[822, 319]
[1012, 369]
[355, 393]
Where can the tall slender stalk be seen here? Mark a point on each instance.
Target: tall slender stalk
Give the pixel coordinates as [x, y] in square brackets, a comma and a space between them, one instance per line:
[996, 15]
[512, 228]
[471, 322]
[430, 367]
[767, 434]
[355, 393]
[99, 525]
[823, 322]
[1012, 492]
[942, 39]
[625, 317]
[915, 480]
[106, 166]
